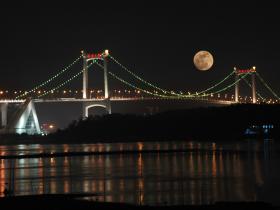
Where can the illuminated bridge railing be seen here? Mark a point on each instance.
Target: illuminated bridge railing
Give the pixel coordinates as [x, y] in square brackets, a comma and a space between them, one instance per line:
[3, 101]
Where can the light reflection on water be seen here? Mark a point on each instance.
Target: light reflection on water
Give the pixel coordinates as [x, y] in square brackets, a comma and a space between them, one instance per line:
[236, 172]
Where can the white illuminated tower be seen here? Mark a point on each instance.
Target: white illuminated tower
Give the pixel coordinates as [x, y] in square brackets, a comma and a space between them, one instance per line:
[238, 72]
[85, 75]
[253, 75]
[106, 90]
[91, 57]
[236, 85]
[91, 102]
[4, 111]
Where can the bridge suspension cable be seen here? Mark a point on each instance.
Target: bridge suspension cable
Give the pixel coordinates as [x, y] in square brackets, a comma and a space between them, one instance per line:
[168, 91]
[171, 97]
[136, 76]
[267, 86]
[131, 85]
[229, 86]
[248, 83]
[65, 82]
[212, 87]
[137, 88]
[50, 79]
[202, 93]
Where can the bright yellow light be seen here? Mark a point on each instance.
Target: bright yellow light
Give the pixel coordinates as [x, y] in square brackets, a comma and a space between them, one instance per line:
[51, 126]
[254, 67]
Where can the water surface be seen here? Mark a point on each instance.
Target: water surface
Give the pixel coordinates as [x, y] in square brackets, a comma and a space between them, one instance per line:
[202, 174]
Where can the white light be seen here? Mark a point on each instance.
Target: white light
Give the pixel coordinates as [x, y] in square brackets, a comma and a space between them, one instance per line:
[106, 53]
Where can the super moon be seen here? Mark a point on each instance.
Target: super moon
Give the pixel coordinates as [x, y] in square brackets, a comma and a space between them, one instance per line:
[203, 60]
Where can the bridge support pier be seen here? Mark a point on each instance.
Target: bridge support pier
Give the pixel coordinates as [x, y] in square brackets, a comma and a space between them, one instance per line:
[85, 75]
[106, 88]
[236, 87]
[254, 88]
[106, 103]
[4, 114]
[252, 72]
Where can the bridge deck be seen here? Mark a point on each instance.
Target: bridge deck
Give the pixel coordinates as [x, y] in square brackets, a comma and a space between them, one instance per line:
[55, 100]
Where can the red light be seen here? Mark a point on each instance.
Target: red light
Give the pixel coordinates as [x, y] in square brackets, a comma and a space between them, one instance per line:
[94, 55]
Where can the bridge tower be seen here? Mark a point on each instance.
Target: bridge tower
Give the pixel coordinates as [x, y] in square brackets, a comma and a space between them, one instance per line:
[4, 114]
[239, 72]
[88, 103]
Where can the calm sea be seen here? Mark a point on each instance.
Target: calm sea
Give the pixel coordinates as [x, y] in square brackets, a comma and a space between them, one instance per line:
[200, 173]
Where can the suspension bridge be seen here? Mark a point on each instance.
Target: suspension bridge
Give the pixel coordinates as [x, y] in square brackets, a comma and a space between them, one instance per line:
[25, 120]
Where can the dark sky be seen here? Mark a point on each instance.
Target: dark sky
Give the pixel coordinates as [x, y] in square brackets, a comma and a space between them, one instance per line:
[157, 41]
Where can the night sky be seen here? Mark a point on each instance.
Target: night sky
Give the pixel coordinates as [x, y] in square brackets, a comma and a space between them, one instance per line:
[156, 41]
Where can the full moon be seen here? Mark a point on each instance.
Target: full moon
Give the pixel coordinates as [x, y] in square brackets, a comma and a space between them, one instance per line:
[203, 60]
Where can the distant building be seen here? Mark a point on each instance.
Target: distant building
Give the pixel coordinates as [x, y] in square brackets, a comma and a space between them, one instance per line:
[259, 130]
[47, 128]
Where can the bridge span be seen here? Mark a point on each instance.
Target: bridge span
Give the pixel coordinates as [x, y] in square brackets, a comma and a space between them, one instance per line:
[25, 119]
[61, 100]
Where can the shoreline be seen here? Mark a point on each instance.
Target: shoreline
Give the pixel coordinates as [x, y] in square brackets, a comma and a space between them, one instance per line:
[13, 140]
[71, 201]
[96, 153]
[46, 140]
[226, 124]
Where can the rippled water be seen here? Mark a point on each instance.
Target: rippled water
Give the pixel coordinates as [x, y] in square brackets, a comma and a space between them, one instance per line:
[202, 174]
